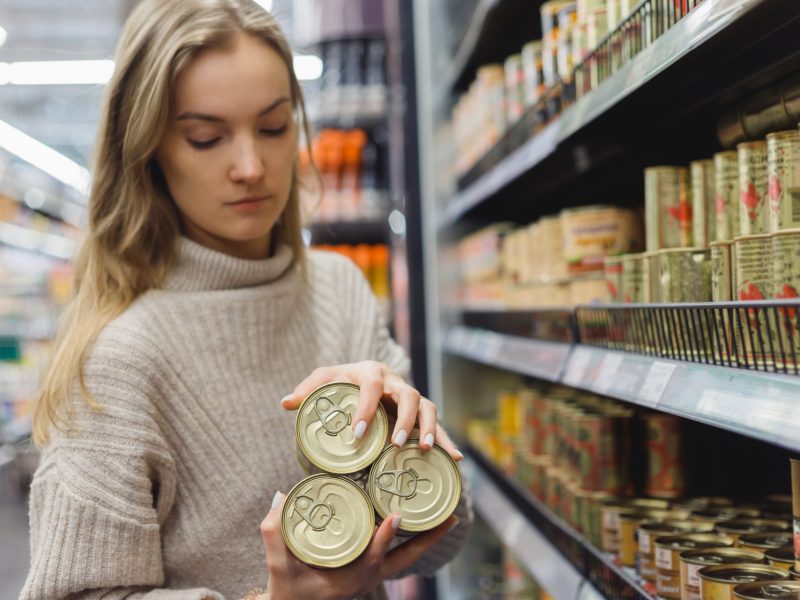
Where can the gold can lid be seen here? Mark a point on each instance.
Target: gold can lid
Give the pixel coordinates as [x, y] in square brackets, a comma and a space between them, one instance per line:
[766, 539]
[693, 540]
[324, 430]
[327, 521]
[721, 556]
[768, 590]
[423, 486]
[752, 525]
[791, 133]
[742, 573]
[715, 514]
[783, 554]
[727, 155]
[671, 526]
[704, 502]
[756, 145]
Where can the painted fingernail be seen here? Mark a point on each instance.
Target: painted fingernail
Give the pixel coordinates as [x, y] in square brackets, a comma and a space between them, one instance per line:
[429, 440]
[276, 500]
[396, 520]
[286, 399]
[400, 437]
[459, 455]
[454, 525]
[360, 429]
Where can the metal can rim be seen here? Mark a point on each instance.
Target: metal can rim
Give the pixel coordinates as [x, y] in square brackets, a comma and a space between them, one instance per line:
[752, 145]
[708, 572]
[742, 590]
[789, 133]
[755, 236]
[665, 540]
[681, 250]
[720, 243]
[795, 231]
[753, 554]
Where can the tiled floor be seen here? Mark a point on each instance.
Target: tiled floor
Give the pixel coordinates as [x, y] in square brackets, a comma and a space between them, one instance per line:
[14, 550]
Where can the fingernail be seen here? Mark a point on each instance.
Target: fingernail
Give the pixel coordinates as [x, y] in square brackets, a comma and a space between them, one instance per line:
[396, 520]
[459, 455]
[429, 440]
[454, 525]
[286, 399]
[276, 500]
[360, 430]
[400, 437]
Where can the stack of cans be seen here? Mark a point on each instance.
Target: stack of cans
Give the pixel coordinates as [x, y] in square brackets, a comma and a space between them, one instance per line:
[329, 517]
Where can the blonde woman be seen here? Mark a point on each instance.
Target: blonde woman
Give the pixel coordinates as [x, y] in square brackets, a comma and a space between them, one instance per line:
[164, 419]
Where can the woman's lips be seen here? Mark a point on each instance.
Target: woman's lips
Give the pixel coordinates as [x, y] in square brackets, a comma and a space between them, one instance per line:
[248, 204]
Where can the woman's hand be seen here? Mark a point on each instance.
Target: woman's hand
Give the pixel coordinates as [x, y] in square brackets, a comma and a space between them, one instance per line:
[377, 382]
[290, 579]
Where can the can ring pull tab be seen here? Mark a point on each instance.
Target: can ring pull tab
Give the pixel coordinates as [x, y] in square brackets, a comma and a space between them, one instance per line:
[776, 590]
[328, 413]
[306, 508]
[392, 482]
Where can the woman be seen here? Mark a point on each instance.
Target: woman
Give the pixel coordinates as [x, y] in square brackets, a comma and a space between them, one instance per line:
[163, 416]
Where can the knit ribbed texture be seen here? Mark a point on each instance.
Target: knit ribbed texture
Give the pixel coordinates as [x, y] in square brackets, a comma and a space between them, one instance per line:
[159, 496]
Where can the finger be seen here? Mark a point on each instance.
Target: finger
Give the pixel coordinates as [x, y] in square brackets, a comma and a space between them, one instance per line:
[427, 423]
[318, 377]
[405, 555]
[274, 546]
[447, 444]
[381, 540]
[407, 400]
[370, 381]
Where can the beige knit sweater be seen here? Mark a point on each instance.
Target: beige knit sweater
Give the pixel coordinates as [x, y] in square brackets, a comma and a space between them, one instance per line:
[160, 495]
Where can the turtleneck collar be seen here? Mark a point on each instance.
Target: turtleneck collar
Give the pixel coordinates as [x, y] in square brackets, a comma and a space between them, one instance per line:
[198, 268]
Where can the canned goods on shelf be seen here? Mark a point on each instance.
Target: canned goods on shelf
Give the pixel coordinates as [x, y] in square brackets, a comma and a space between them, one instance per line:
[590, 233]
[515, 89]
[532, 65]
[668, 208]
[629, 523]
[704, 213]
[754, 280]
[633, 279]
[694, 560]
[327, 521]
[721, 280]
[752, 188]
[782, 590]
[649, 531]
[685, 274]
[665, 470]
[717, 581]
[610, 511]
[786, 282]
[324, 432]
[739, 527]
[783, 172]
[726, 191]
[667, 555]
[765, 540]
[612, 267]
[703, 502]
[423, 486]
[781, 557]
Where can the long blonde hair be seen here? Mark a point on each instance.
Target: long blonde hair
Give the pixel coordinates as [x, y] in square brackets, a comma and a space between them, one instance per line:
[133, 223]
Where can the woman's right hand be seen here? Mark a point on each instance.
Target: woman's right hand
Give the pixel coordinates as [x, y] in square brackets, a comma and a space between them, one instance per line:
[290, 579]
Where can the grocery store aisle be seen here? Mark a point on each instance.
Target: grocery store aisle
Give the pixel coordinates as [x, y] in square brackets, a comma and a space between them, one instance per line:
[14, 550]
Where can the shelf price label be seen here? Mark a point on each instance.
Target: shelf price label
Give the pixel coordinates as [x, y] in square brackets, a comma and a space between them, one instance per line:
[577, 365]
[656, 382]
[607, 372]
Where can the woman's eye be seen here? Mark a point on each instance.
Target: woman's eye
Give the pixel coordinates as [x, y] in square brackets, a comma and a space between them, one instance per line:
[202, 144]
[275, 131]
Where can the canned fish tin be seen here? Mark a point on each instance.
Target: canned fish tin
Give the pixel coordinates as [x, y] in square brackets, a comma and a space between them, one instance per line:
[613, 269]
[589, 514]
[752, 188]
[323, 429]
[609, 518]
[717, 581]
[721, 282]
[765, 540]
[704, 214]
[777, 590]
[786, 281]
[781, 557]
[739, 527]
[668, 222]
[685, 274]
[633, 283]
[667, 554]
[423, 486]
[591, 233]
[629, 523]
[726, 190]
[783, 173]
[694, 560]
[646, 534]
[327, 521]
[754, 281]
[665, 476]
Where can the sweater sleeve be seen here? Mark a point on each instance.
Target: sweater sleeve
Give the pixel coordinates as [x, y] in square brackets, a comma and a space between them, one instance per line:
[103, 489]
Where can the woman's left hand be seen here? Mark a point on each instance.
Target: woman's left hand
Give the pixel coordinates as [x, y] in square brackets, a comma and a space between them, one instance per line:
[379, 383]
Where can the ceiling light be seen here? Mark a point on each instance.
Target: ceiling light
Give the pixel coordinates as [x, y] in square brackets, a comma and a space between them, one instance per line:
[44, 157]
[265, 4]
[3, 36]
[57, 72]
[307, 67]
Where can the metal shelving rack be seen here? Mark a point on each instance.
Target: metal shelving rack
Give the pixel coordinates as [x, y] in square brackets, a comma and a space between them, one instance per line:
[662, 99]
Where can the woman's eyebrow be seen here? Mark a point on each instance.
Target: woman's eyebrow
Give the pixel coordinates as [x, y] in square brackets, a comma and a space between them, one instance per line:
[214, 119]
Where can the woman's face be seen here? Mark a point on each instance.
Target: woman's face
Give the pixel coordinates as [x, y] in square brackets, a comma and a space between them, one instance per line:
[230, 146]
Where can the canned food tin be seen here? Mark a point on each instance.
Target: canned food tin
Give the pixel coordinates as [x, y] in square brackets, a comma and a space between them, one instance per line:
[668, 208]
[648, 531]
[703, 502]
[665, 476]
[685, 274]
[765, 540]
[795, 574]
[717, 581]
[589, 517]
[667, 554]
[704, 213]
[532, 65]
[739, 527]
[327, 521]
[721, 283]
[651, 281]
[629, 523]
[783, 172]
[694, 560]
[593, 232]
[323, 429]
[781, 557]
[633, 283]
[610, 511]
[613, 268]
[754, 281]
[778, 590]
[752, 188]
[599, 453]
[726, 189]
[786, 281]
[515, 91]
[423, 486]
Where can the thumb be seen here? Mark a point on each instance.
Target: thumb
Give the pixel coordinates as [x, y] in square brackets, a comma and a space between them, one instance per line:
[271, 531]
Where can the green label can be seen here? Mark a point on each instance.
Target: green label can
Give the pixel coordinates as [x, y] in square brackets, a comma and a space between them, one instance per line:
[783, 172]
[726, 192]
[753, 214]
[704, 222]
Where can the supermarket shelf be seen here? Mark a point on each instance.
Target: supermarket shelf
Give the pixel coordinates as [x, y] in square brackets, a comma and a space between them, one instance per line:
[366, 122]
[556, 555]
[350, 232]
[536, 358]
